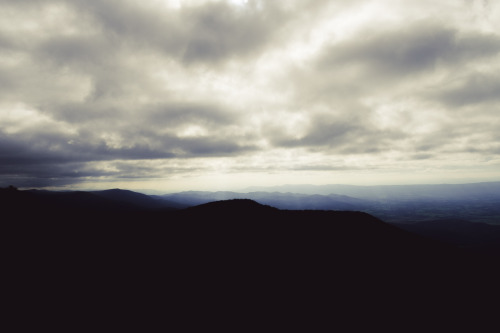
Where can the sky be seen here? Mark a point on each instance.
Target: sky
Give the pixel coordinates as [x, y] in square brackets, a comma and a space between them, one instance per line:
[183, 95]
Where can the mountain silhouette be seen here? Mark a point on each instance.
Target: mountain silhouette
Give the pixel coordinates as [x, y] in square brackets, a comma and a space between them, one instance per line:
[136, 199]
[476, 202]
[473, 235]
[355, 230]
[231, 208]
[71, 204]
[486, 191]
[275, 199]
[239, 252]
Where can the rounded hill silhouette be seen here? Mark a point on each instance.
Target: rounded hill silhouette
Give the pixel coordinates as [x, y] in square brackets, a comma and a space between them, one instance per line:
[231, 207]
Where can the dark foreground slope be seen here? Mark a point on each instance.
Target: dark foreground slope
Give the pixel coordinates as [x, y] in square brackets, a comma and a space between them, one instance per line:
[239, 260]
[473, 236]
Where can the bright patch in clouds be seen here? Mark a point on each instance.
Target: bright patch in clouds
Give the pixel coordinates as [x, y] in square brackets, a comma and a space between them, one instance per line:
[224, 94]
[238, 2]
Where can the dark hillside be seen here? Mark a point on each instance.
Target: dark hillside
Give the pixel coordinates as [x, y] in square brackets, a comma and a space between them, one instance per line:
[240, 253]
[471, 235]
[276, 199]
[59, 201]
[344, 235]
[136, 199]
[75, 204]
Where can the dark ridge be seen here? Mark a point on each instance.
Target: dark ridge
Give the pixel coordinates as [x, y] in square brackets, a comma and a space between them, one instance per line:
[472, 235]
[231, 207]
[239, 252]
[136, 199]
[27, 203]
[275, 199]
[361, 235]
[72, 204]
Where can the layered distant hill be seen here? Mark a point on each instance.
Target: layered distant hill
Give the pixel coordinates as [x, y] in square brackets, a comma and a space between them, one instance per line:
[398, 204]
[443, 220]
[295, 201]
[117, 242]
[426, 209]
[237, 221]
[108, 200]
[486, 191]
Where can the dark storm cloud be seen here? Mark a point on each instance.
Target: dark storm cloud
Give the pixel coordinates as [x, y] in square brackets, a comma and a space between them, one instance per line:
[155, 130]
[52, 148]
[393, 62]
[207, 33]
[8, 81]
[413, 50]
[207, 146]
[44, 160]
[48, 174]
[175, 114]
[86, 114]
[34, 162]
[7, 43]
[48, 148]
[477, 88]
[81, 51]
[216, 32]
[110, 34]
[149, 117]
[422, 156]
[344, 135]
[103, 62]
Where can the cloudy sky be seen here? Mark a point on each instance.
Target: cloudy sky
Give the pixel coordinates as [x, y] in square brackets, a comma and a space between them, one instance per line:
[185, 94]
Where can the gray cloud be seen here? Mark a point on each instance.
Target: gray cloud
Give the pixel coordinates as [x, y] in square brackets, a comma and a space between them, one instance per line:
[422, 156]
[388, 60]
[110, 89]
[46, 159]
[343, 135]
[215, 31]
[175, 114]
[405, 62]
[207, 33]
[48, 148]
[414, 50]
[7, 43]
[477, 88]
[84, 51]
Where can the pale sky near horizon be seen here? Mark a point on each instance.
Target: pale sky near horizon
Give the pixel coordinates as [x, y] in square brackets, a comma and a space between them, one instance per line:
[180, 95]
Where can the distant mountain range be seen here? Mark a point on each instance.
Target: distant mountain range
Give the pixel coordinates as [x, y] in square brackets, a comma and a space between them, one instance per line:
[456, 222]
[117, 242]
[279, 200]
[399, 204]
[478, 202]
[107, 200]
[487, 191]
[255, 220]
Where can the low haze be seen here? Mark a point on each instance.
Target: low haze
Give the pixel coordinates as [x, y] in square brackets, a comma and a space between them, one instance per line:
[172, 95]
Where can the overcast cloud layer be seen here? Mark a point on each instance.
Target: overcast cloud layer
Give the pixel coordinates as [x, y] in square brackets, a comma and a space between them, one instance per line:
[164, 93]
